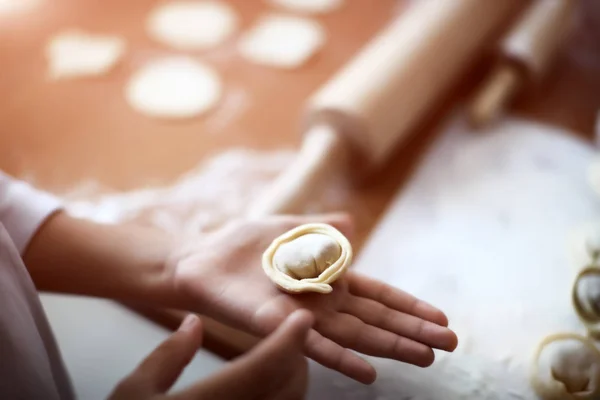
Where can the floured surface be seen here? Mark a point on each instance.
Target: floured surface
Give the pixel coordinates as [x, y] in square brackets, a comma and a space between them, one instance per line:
[214, 192]
[481, 232]
[309, 6]
[74, 53]
[174, 87]
[189, 25]
[282, 41]
[594, 174]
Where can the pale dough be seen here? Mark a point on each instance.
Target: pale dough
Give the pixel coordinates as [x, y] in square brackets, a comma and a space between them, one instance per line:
[174, 87]
[566, 367]
[584, 245]
[308, 258]
[74, 53]
[586, 299]
[189, 25]
[282, 41]
[17, 6]
[309, 6]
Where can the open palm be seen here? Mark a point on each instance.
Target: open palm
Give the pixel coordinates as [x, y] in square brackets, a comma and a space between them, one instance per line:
[222, 272]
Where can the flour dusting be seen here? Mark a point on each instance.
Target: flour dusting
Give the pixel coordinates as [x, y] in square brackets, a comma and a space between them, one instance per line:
[217, 190]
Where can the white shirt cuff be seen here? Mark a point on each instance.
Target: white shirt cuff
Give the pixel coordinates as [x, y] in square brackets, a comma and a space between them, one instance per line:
[24, 209]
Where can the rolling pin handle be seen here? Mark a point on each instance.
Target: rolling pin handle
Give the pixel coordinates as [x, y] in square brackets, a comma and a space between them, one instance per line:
[322, 153]
[497, 91]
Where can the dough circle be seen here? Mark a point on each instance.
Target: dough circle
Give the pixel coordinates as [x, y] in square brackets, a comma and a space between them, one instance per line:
[309, 6]
[318, 251]
[282, 41]
[75, 54]
[174, 87]
[566, 366]
[586, 299]
[192, 25]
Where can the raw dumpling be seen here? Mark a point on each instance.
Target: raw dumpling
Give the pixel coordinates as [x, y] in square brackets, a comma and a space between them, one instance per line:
[308, 258]
[566, 367]
[586, 298]
[584, 243]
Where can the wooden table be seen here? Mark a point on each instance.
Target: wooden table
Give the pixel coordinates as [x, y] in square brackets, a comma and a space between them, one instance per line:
[58, 134]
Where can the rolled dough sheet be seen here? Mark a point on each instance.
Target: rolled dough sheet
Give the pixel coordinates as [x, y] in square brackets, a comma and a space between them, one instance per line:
[309, 6]
[174, 87]
[9, 7]
[75, 54]
[481, 231]
[192, 25]
[282, 41]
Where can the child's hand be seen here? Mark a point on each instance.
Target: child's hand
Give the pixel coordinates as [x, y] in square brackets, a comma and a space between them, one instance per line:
[220, 275]
[275, 369]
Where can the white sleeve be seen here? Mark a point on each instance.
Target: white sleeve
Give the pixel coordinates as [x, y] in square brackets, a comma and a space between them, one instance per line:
[23, 209]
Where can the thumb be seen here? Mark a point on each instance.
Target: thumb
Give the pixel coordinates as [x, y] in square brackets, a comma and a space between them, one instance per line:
[287, 340]
[272, 362]
[159, 371]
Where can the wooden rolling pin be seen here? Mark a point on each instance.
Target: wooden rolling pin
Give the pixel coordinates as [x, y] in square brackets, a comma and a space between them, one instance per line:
[370, 106]
[525, 56]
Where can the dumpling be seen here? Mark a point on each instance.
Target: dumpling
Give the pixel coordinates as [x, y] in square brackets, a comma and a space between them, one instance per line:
[308, 258]
[566, 367]
[584, 243]
[586, 298]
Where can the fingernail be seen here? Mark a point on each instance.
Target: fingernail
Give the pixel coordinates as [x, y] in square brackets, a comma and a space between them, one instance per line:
[189, 323]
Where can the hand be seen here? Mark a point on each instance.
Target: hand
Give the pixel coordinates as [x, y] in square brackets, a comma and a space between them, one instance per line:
[222, 272]
[275, 369]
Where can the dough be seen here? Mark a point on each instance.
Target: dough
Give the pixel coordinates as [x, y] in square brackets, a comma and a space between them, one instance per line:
[17, 6]
[174, 87]
[308, 258]
[74, 53]
[309, 6]
[189, 25]
[566, 366]
[584, 245]
[282, 41]
[586, 299]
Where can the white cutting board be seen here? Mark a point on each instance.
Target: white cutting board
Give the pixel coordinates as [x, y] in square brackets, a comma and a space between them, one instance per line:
[481, 232]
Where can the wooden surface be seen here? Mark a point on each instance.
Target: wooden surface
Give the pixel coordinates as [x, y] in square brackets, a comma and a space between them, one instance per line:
[58, 134]
[88, 126]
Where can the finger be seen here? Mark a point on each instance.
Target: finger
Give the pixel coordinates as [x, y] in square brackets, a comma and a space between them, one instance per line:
[287, 339]
[295, 389]
[331, 355]
[265, 370]
[163, 366]
[351, 332]
[376, 314]
[396, 299]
